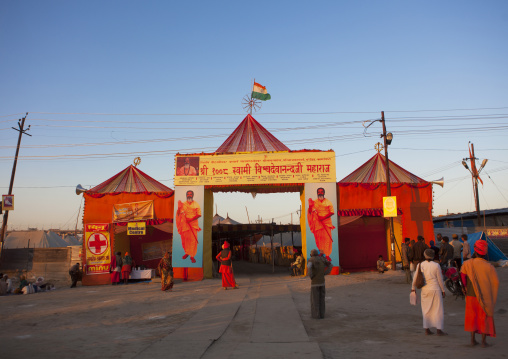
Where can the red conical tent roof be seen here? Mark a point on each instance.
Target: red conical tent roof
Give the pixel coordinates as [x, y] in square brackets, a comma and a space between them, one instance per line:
[130, 180]
[250, 136]
[374, 171]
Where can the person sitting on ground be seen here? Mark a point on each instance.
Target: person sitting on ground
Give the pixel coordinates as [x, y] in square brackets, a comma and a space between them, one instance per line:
[3, 286]
[9, 283]
[381, 268]
[22, 284]
[297, 265]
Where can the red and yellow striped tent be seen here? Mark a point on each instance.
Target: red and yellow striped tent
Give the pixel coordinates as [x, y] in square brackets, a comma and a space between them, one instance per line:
[363, 231]
[127, 186]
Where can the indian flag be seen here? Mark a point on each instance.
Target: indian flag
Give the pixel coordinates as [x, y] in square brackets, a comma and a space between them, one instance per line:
[259, 92]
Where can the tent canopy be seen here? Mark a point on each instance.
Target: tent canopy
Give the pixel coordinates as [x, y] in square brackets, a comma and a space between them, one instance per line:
[130, 180]
[34, 239]
[286, 240]
[250, 136]
[494, 254]
[374, 171]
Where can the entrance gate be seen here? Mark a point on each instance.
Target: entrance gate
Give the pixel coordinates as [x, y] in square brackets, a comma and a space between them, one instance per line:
[311, 173]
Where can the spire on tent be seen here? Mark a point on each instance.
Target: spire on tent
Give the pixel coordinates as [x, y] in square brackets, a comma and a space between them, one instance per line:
[130, 179]
[374, 171]
[250, 136]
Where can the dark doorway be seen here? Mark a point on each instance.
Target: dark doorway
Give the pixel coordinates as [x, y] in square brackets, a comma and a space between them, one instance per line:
[361, 242]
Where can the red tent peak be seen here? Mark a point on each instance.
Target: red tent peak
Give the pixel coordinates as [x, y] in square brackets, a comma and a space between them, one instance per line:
[374, 171]
[131, 179]
[251, 136]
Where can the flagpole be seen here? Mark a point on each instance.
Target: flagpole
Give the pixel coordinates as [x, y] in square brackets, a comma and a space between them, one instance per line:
[252, 87]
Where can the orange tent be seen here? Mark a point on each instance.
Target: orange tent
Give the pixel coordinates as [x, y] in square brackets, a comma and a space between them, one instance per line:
[128, 186]
[363, 231]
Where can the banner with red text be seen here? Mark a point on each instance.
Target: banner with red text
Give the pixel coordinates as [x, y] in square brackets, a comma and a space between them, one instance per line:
[255, 168]
[98, 249]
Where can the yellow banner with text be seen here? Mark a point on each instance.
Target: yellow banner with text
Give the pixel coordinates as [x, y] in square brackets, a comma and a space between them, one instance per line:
[136, 228]
[255, 168]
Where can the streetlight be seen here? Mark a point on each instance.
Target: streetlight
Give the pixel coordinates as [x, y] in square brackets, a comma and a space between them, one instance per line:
[387, 138]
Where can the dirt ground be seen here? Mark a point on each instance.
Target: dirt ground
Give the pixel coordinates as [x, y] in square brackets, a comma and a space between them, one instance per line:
[367, 315]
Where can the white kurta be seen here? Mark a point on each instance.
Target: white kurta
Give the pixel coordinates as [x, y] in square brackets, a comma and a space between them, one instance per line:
[431, 296]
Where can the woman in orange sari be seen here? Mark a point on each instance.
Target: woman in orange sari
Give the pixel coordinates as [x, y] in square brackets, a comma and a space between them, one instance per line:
[166, 272]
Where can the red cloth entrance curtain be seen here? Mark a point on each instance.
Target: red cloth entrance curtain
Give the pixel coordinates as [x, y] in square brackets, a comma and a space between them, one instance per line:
[413, 200]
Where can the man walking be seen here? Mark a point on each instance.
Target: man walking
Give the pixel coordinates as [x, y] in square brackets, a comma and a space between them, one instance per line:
[405, 259]
[481, 285]
[316, 271]
[418, 251]
[445, 253]
[466, 249]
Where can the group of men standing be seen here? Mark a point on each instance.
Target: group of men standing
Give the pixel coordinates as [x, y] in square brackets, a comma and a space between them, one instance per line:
[478, 276]
[449, 253]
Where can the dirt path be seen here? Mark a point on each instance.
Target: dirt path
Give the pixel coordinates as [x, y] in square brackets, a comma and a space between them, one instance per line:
[367, 315]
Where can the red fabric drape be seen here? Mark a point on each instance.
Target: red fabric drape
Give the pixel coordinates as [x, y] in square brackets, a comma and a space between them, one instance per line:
[413, 200]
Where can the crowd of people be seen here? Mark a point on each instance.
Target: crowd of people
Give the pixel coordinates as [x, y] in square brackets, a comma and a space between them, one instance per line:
[478, 277]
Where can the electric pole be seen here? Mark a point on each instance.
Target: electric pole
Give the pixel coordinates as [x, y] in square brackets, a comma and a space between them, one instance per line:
[475, 173]
[388, 140]
[22, 131]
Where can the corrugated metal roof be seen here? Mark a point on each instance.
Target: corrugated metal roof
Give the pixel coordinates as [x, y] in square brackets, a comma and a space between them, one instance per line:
[467, 215]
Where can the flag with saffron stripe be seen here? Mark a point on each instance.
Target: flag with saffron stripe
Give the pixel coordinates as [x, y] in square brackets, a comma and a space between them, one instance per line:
[259, 92]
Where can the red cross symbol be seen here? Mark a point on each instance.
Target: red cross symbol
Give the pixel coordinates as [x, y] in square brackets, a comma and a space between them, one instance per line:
[96, 245]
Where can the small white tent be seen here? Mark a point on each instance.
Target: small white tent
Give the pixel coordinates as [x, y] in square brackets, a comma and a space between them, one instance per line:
[34, 239]
[286, 240]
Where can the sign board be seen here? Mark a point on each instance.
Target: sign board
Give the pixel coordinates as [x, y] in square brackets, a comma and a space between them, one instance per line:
[98, 251]
[135, 211]
[187, 227]
[321, 232]
[8, 202]
[390, 206]
[136, 228]
[255, 168]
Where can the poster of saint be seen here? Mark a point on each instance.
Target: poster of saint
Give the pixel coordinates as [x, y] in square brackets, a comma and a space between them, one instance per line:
[187, 227]
[322, 233]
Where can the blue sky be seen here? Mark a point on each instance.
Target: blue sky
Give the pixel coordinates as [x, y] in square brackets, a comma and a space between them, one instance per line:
[333, 64]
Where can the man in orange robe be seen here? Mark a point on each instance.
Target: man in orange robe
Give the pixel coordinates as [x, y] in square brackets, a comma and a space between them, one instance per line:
[481, 285]
[186, 169]
[320, 222]
[187, 216]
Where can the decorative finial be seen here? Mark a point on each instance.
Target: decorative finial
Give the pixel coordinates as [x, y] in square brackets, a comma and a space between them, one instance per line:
[249, 103]
[379, 147]
[137, 161]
